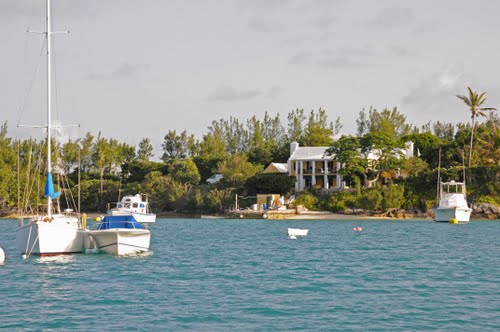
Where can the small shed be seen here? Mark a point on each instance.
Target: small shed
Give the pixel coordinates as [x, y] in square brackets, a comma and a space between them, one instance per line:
[270, 200]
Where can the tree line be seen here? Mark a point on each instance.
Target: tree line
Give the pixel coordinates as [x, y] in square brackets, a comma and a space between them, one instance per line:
[241, 149]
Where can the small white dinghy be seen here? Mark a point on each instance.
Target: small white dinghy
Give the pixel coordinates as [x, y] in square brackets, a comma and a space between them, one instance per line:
[297, 232]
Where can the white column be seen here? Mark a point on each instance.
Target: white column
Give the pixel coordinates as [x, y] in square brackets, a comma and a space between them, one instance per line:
[301, 179]
[297, 178]
[338, 175]
[313, 176]
[325, 174]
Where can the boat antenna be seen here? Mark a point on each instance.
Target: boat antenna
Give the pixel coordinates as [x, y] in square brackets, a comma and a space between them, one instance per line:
[438, 191]
[79, 170]
[463, 169]
[119, 189]
[18, 180]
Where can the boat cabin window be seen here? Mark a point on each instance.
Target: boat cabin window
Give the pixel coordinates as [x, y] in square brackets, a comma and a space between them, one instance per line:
[136, 205]
[126, 205]
[141, 205]
[119, 205]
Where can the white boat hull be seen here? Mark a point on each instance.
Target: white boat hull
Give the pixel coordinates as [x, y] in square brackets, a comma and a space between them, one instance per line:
[51, 238]
[462, 215]
[143, 218]
[297, 232]
[122, 241]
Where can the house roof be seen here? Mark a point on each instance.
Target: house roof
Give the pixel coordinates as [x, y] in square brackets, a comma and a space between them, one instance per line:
[276, 168]
[311, 153]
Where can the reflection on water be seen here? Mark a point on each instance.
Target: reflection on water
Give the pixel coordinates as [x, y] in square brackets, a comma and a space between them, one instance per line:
[59, 259]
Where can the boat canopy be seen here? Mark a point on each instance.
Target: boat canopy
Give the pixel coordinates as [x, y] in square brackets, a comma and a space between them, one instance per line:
[119, 222]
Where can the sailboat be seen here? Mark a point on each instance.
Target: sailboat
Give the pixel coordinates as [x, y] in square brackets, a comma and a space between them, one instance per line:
[54, 232]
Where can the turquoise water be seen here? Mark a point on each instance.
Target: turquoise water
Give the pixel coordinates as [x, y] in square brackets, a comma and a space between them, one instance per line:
[246, 275]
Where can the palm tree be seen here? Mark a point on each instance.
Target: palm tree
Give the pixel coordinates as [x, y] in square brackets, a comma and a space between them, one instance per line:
[474, 102]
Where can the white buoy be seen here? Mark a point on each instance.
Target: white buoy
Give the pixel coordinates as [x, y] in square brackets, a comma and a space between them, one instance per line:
[292, 237]
[23, 256]
[2, 256]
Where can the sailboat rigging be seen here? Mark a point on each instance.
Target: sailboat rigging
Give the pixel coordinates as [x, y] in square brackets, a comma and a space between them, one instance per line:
[51, 233]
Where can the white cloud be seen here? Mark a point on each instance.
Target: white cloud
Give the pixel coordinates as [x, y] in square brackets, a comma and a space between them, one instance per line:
[434, 92]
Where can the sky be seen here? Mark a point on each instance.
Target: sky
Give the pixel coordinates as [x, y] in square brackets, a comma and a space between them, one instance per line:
[137, 69]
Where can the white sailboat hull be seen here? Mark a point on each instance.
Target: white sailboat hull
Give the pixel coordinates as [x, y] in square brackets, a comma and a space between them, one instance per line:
[122, 241]
[51, 238]
[444, 214]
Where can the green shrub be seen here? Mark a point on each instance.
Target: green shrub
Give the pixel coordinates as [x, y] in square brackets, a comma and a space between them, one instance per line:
[489, 200]
[392, 197]
[308, 200]
[371, 199]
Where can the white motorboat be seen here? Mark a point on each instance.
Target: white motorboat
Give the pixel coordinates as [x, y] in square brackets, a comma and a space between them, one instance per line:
[52, 233]
[452, 203]
[136, 206]
[121, 235]
[297, 232]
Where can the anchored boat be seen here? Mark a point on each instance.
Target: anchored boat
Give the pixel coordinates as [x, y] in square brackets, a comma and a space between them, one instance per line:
[123, 231]
[54, 232]
[452, 203]
[121, 235]
[297, 232]
[137, 206]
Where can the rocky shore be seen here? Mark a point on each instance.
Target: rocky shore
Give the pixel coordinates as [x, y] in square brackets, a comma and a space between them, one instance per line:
[480, 211]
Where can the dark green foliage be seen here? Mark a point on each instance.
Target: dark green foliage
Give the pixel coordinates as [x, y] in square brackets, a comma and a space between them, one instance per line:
[339, 201]
[271, 183]
[392, 197]
[370, 199]
[206, 166]
[185, 171]
[137, 170]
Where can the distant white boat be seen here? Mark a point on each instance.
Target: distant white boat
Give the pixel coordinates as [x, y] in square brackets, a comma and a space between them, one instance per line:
[209, 217]
[452, 203]
[136, 206]
[297, 232]
[121, 235]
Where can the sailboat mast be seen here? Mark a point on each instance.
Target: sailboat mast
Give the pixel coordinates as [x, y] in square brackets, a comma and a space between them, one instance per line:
[49, 102]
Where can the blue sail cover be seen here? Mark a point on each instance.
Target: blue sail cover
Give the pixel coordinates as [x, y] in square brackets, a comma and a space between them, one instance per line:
[119, 222]
[49, 188]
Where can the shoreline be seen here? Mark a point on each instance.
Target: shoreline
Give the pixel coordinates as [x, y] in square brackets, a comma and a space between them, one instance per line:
[286, 215]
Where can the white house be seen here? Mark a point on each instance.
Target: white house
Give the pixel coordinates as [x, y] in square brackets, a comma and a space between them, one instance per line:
[313, 166]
